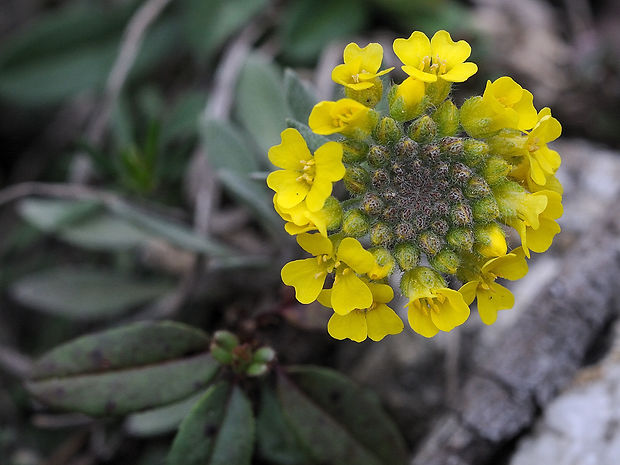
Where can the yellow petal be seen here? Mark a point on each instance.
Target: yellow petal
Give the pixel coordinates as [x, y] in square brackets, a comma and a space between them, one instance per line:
[315, 244]
[532, 206]
[539, 240]
[512, 266]
[319, 191]
[370, 57]
[554, 204]
[321, 120]
[290, 190]
[351, 326]
[548, 129]
[461, 72]
[328, 160]
[453, 311]
[412, 91]
[526, 111]
[381, 321]
[469, 291]
[411, 51]
[420, 320]
[350, 292]
[353, 254]
[291, 152]
[306, 276]
[492, 300]
[325, 298]
[418, 74]
[453, 53]
[381, 293]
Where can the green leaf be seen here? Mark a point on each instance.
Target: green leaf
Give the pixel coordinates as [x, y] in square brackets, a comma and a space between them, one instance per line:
[50, 215]
[123, 370]
[261, 106]
[160, 420]
[182, 120]
[306, 30]
[208, 23]
[313, 140]
[85, 293]
[276, 442]
[299, 97]
[175, 233]
[218, 431]
[337, 420]
[226, 148]
[255, 196]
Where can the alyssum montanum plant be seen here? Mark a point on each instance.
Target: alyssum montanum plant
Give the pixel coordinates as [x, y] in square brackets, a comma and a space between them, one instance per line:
[432, 190]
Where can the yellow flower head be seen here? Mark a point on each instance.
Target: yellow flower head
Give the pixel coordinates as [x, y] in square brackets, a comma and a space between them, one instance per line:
[440, 57]
[299, 219]
[543, 162]
[511, 103]
[305, 177]
[432, 306]
[346, 116]
[375, 322]
[361, 66]
[344, 259]
[491, 296]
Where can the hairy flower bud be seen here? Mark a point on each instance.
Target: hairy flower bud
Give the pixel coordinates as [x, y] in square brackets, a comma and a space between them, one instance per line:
[447, 119]
[423, 130]
[407, 255]
[387, 131]
[355, 223]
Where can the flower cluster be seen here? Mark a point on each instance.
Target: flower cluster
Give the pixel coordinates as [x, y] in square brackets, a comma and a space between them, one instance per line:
[433, 189]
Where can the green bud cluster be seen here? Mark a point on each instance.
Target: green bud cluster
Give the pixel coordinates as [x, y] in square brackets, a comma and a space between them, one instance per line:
[423, 192]
[227, 350]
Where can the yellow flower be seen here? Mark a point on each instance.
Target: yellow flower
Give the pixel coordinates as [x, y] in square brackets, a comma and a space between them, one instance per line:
[511, 103]
[375, 322]
[492, 241]
[361, 66]
[543, 162]
[345, 116]
[440, 57]
[407, 99]
[305, 177]
[344, 259]
[432, 306]
[491, 296]
[299, 219]
[533, 216]
[521, 173]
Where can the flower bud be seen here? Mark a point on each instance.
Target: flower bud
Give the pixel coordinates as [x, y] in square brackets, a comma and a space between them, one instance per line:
[372, 204]
[387, 131]
[476, 188]
[381, 234]
[225, 339]
[419, 280]
[223, 356]
[452, 146]
[461, 214]
[461, 239]
[407, 100]
[378, 155]
[495, 169]
[508, 143]
[490, 240]
[430, 242]
[264, 355]
[477, 117]
[356, 180]
[447, 118]
[406, 148]
[445, 261]
[355, 223]
[485, 209]
[333, 213]
[407, 255]
[384, 263]
[438, 91]
[423, 130]
[404, 231]
[474, 151]
[354, 151]
[256, 369]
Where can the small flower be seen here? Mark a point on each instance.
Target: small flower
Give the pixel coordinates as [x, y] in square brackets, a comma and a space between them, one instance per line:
[299, 219]
[345, 116]
[345, 259]
[491, 296]
[440, 57]
[407, 99]
[511, 103]
[361, 66]
[492, 241]
[375, 322]
[543, 162]
[432, 306]
[305, 177]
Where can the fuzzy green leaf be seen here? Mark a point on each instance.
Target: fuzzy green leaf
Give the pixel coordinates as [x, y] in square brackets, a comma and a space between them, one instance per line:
[227, 149]
[314, 141]
[124, 370]
[338, 421]
[218, 431]
[300, 98]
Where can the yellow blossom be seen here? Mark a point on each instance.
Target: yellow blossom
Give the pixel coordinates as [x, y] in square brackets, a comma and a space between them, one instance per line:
[345, 259]
[492, 241]
[345, 116]
[491, 296]
[511, 103]
[299, 219]
[543, 162]
[440, 57]
[375, 322]
[407, 99]
[305, 177]
[361, 66]
[432, 306]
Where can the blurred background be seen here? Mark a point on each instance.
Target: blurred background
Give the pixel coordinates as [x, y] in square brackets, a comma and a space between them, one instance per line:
[132, 163]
